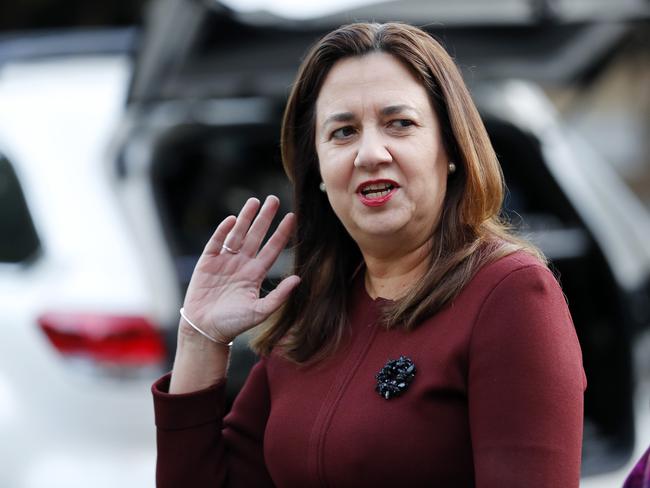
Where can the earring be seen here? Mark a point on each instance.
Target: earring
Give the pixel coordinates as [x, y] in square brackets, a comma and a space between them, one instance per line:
[451, 167]
[322, 187]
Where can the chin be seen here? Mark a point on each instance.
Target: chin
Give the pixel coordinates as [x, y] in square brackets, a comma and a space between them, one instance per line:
[381, 230]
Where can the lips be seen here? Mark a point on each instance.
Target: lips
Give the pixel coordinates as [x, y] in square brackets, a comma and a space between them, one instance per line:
[376, 192]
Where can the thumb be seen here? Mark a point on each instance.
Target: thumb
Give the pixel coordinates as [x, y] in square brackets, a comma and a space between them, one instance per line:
[274, 300]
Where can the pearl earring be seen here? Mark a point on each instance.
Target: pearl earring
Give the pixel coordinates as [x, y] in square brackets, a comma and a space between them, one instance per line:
[451, 167]
[322, 187]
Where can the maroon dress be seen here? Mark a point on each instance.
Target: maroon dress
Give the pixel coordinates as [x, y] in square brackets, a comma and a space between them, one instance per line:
[496, 401]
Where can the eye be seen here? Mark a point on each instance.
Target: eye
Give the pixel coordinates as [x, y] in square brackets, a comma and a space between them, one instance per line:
[343, 132]
[401, 123]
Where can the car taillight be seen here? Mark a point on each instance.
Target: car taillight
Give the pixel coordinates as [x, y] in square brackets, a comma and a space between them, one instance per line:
[109, 340]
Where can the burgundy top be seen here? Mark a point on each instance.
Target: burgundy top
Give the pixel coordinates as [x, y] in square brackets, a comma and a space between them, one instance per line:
[497, 401]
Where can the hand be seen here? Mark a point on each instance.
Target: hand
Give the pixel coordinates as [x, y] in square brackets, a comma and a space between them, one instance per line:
[223, 297]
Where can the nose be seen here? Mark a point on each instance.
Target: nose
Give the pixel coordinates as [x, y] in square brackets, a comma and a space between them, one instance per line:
[372, 151]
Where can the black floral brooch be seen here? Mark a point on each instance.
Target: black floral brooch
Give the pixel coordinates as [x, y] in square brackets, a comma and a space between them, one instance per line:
[394, 378]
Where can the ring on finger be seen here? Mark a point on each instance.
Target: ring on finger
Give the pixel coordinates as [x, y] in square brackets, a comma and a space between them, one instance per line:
[228, 249]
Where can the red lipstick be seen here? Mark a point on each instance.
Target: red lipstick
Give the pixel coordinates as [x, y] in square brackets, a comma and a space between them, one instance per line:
[375, 193]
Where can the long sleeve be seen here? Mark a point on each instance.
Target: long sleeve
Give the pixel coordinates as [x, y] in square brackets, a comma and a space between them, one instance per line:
[197, 447]
[526, 385]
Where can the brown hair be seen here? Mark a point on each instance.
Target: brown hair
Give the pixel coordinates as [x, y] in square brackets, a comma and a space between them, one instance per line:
[469, 233]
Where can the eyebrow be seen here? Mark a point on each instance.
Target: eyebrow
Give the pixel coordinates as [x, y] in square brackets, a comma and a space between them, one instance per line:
[386, 111]
[339, 117]
[396, 109]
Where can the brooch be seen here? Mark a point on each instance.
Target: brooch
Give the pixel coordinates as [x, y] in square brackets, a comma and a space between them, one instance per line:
[394, 378]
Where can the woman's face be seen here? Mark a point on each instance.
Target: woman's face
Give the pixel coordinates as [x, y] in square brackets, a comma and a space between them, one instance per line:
[380, 152]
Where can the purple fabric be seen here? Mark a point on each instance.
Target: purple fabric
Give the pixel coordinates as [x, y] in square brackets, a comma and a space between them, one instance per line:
[640, 475]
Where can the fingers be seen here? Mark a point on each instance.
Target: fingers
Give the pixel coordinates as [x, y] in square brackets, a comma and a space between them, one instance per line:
[271, 302]
[246, 232]
[219, 236]
[277, 242]
[244, 219]
[260, 226]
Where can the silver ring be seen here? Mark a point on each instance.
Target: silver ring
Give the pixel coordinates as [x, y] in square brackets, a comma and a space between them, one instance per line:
[227, 249]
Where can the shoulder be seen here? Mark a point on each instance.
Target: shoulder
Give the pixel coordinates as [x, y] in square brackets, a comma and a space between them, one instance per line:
[511, 272]
[518, 297]
[517, 284]
[522, 321]
[511, 263]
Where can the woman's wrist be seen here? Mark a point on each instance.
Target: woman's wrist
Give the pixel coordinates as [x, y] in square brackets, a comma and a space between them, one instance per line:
[199, 362]
[214, 336]
[190, 337]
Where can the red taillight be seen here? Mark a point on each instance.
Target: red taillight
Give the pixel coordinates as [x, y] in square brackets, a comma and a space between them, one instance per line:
[108, 339]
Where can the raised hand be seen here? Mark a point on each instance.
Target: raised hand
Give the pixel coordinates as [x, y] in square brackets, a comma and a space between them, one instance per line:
[223, 297]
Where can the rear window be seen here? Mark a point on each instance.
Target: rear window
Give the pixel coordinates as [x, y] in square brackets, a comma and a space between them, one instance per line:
[18, 239]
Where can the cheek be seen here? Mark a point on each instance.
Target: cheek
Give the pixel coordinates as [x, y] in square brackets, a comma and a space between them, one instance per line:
[439, 181]
[431, 187]
[441, 189]
[324, 161]
[333, 168]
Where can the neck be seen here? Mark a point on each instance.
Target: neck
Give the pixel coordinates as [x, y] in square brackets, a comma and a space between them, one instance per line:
[391, 276]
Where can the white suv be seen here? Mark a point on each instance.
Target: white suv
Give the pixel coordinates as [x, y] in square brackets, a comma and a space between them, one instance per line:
[80, 315]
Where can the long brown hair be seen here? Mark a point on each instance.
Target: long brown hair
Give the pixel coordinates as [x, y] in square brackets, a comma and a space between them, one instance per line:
[468, 235]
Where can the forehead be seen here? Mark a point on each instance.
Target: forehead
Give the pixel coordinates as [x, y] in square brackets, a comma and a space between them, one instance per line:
[377, 79]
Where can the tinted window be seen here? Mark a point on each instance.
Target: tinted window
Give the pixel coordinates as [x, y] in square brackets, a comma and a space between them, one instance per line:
[18, 239]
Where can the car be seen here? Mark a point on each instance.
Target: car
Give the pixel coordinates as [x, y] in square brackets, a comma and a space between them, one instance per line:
[81, 316]
[200, 135]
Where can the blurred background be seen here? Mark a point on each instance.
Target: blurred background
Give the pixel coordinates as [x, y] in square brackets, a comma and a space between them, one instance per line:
[129, 129]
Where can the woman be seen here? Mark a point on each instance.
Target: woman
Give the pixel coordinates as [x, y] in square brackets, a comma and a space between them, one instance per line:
[418, 343]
